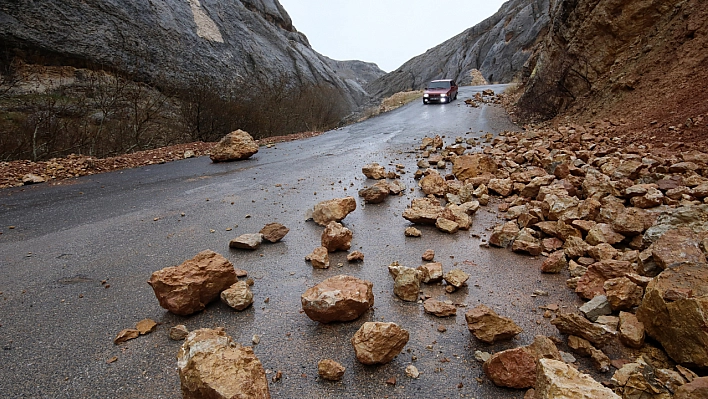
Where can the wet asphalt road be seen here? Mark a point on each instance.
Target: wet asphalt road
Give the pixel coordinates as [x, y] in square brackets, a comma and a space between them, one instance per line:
[57, 321]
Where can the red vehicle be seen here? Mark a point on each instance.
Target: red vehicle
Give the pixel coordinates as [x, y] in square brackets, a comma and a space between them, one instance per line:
[440, 91]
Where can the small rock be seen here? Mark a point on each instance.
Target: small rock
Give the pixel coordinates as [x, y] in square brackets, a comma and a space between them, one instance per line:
[336, 237]
[330, 370]
[178, 332]
[247, 241]
[456, 278]
[126, 335]
[407, 282]
[438, 308]
[631, 330]
[374, 171]
[482, 356]
[573, 324]
[375, 194]
[333, 210]
[412, 232]
[274, 232]
[428, 255]
[598, 306]
[432, 272]
[238, 296]
[146, 326]
[554, 263]
[412, 371]
[487, 326]
[338, 298]
[378, 343]
[355, 256]
[319, 258]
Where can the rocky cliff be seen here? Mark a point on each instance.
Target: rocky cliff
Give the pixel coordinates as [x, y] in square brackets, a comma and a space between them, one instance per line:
[232, 42]
[498, 46]
[640, 64]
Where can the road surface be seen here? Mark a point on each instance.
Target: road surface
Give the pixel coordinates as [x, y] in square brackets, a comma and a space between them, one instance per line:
[58, 321]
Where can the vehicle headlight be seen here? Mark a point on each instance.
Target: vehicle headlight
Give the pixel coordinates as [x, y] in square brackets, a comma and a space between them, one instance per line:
[443, 95]
[426, 95]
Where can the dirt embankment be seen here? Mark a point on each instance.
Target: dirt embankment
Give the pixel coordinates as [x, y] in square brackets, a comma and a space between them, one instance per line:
[637, 65]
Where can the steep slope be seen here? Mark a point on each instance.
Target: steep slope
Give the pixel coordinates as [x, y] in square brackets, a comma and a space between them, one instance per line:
[640, 64]
[498, 46]
[232, 42]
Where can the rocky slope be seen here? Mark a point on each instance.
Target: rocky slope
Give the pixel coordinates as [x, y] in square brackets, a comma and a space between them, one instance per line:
[231, 42]
[498, 46]
[640, 64]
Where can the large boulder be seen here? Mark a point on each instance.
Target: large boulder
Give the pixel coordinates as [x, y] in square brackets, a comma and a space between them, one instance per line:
[675, 313]
[338, 298]
[189, 287]
[558, 380]
[233, 147]
[487, 326]
[469, 166]
[378, 342]
[696, 389]
[211, 365]
[694, 217]
[433, 183]
[336, 237]
[333, 210]
[516, 368]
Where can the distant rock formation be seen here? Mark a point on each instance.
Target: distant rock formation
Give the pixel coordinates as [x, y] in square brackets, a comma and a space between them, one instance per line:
[498, 46]
[176, 42]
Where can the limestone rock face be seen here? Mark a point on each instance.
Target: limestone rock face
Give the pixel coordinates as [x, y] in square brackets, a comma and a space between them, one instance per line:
[274, 232]
[211, 365]
[189, 287]
[333, 210]
[675, 312]
[336, 237]
[469, 166]
[557, 380]
[487, 326]
[378, 343]
[338, 298]
[238, 296]
[234, 146]
[330, 370]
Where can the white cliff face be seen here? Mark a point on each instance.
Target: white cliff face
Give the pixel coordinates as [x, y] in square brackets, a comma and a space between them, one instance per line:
[206, 27]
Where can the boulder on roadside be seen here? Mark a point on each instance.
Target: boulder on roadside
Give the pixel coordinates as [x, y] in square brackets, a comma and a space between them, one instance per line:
[189, 287]
[469, 166]
[247, 241]
[212, 365]
[406, 282]
[573, 324]
[596, 307]
[333, 210]
[516, 368]
[355, 256]
[487, 326]
[503, 235]
[234, 146]
[336, 237]
[554, 263]
[374, 171]
[378, 342]
[319, 258]
[558, 380]
[238, 296]
[432, 272]
[330, 370]
[439, 308]
[338, 298]
[375, 194]
[423, 211]
[274, 232]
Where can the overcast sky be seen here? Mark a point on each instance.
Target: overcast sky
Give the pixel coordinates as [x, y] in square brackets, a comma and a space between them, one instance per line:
[387, 32]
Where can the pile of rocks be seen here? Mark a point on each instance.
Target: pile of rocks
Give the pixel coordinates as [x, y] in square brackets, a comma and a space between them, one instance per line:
[379, 191]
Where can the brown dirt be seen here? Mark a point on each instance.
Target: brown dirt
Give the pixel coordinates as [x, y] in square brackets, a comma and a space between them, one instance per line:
[56, 169]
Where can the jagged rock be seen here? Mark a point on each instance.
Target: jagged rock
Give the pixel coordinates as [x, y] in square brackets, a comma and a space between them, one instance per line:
[31, 178]
[677, 246]
[592, 283]
[631, 330]
[554, 263]
[189, 287]
[319, 258]
[470, 207]
[573, 324]
[531, 189]
[378, 343]
[238, 296]
[338, 298]
[178, 332]
[622, 293]
[274, 232]
[629, 222]
[526, 241]
[469, 166]
[438, 308]
[459, 215]
[557, 380]
[575, 247]
[146, 326]
[639, 380]
[696, 389]
[396, 187]
[503, 187]
[602, 252]
[694, 217]
[447, 225]
[412, 371]
[336, 237]
[596, 307]
[247, 241]
[675, 311]
[503, 235]
[406, 282]
[580, 346]
[603, 233]
[428, 255]
[456, 278]
[600, 360]
[211, 365]
[330, 370]
[412, 232]
[423, 211]
[651, 199]
[126, 335]
[374, 171]
[355, 256]
[375, 194]
[552, 244]
[433, 183]
[487, 326]
[333, 210]
[233, 147]
[516, 368]
[432, 272]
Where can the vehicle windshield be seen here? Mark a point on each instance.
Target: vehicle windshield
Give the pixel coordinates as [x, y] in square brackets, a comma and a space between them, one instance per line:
[439, 85]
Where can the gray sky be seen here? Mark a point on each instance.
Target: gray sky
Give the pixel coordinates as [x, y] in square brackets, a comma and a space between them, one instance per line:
[387, 32]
